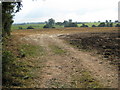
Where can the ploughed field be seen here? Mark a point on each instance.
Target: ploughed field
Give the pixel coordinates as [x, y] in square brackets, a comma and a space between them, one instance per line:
[69, 57]
[105, 43]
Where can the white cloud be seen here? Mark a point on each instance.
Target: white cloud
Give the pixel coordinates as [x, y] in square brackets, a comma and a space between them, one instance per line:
[78, 10]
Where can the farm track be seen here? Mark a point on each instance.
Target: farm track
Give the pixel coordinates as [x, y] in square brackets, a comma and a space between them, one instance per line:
[59, 68]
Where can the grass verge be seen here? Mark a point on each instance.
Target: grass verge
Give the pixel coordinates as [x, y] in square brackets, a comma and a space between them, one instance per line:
[17, 67]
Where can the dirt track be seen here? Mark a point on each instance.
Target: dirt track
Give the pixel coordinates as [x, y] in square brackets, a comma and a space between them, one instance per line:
[59, 68]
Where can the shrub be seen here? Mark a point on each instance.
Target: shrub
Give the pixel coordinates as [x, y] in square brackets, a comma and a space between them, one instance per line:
[30, 27]
[117, 25]
[71, 25]
[20, 28]
[93, 26]
[83, 25]
[7, 65]
[46, 26]
[101, 25]
[7, 59]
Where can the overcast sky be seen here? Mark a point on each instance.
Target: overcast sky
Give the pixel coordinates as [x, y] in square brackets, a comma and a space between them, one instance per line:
[60, 10]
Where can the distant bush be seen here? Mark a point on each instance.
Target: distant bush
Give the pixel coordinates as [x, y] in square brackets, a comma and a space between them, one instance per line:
[83, 25]
[20, 28]
[117, 25]
[111, 24]
[53, 27]
[102, 25]
[47, 26]
[93, 26]
[71, 25]
[30, 27]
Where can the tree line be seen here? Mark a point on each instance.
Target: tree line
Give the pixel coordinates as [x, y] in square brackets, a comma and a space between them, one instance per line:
[51, 24]
[10, 8]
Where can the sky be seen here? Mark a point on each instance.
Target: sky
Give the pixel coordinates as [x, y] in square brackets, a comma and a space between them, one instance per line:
[60, 10]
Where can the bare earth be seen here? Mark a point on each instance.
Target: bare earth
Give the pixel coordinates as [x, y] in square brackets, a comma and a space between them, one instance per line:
[59, 69]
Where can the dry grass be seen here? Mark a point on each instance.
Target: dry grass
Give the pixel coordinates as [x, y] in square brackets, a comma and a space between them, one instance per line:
[66, 30]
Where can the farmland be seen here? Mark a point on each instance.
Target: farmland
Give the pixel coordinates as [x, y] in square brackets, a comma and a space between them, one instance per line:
[40, 26]
[35, 26]
[64, 58]
[77, 47]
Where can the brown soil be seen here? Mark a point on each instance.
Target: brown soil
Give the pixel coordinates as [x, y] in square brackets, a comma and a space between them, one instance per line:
[58, 69]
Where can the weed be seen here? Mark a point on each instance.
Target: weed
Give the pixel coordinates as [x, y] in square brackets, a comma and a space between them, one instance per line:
[85, 80]
[57, 50]
[31, 50]
[13, 71]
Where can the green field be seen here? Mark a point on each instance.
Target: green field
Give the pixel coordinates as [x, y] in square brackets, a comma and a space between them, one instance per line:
[89, 24]
[40, 26]
[96, 24]
[35, 26]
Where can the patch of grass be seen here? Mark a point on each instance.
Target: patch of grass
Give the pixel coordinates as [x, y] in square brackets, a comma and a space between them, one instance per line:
[13, 71]
[54, 83]
[16, 70]
[57, 50]
[85, 80]
[31, 50]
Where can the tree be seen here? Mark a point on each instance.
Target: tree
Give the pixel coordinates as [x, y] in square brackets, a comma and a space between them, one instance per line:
[20, 28]
[69, 23]
[59, 23]
[108, 24]
[50, 23]
[46, 26]
[101, 25]
[106, 21]
[83, 25]
[111, 24]
[93, 26]
[110, 21]
[30, 27]
[70, 20]
[116, 21]
[117, 25]
[65, 23]
[8, 11]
